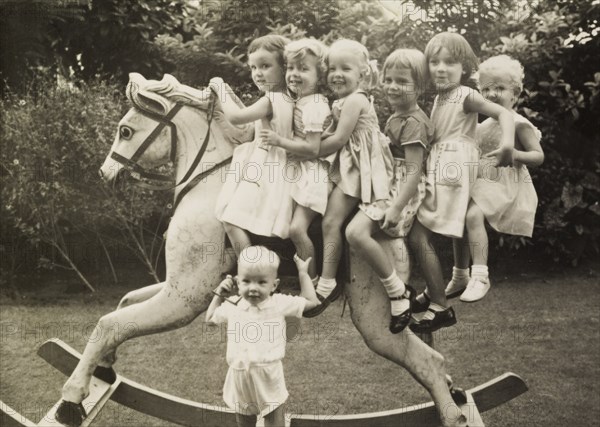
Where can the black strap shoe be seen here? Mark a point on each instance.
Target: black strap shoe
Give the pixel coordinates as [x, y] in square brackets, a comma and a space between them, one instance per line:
[441, 319]
[335, 294]
[70, 413]
[420, 307]
[400, 321]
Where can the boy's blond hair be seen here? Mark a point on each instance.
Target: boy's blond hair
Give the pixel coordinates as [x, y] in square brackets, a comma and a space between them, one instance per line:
[259, 258]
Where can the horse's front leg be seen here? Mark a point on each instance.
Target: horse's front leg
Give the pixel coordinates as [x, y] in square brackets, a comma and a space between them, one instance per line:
[168, 309]
[370, 312]
[133, 297]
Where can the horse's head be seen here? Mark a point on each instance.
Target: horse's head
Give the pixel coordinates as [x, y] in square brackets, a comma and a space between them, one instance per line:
[136, 128]
[168, 122]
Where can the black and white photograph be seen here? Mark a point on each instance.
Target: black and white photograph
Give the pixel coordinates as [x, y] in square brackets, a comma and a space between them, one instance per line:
[300, 213]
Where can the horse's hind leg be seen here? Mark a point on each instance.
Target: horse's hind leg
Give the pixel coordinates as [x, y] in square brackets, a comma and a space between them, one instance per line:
[133, 297]
[166, 310]
[370, 311]
[140, 295]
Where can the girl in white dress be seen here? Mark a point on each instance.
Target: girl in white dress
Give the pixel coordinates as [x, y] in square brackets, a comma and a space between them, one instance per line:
[451, 166]
[256, 196]
[305, 77]
[504, 197]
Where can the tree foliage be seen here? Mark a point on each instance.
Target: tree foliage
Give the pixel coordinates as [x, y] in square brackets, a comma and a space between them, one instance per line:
[557, 41]
[54, 206]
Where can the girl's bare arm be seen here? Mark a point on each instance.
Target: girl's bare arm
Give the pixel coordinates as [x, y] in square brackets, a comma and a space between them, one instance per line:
[475, 103]
[532, 153]
[353, 107]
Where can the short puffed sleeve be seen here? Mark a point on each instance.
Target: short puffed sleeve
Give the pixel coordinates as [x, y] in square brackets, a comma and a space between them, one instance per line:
[519, 119]
[289, 305]
[316, 114]
[408, 130]
[221, 313]
[416, 132]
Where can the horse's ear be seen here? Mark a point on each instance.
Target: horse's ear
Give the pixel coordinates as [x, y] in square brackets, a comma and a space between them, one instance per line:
[153, 102]
[144, 95]
[169, 83]
[136, 83]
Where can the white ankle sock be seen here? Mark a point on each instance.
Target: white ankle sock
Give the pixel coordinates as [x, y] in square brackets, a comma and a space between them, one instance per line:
[423, 297]
[480, 272]
[325, 286]
[460, 274]
[395, 287]
[430, 313]
[315, 281]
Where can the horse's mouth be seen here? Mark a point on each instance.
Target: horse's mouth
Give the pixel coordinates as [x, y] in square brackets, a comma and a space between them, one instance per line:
[114, 179]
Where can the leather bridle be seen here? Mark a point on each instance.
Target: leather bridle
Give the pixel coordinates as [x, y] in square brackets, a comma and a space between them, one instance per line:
[138, 172]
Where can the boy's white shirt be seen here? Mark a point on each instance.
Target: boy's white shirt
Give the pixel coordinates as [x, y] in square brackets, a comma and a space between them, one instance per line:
[256, 335]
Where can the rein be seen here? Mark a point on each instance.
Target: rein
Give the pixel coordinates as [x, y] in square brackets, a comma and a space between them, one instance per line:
[138, 172]
[131, 164]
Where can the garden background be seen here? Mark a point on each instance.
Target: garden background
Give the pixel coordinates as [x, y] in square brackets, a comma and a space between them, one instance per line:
[64, 66]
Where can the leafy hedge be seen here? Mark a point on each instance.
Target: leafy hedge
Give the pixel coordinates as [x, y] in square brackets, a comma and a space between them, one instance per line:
[54, 139]
[556, 41]
[55, 210]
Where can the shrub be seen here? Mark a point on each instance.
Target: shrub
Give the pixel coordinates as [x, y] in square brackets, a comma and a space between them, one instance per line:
[557, 43]
[53, 142]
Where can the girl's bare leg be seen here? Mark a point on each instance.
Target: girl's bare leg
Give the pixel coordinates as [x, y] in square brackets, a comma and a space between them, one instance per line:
[422, 247]
[478, 238]
[302, 219]
[339, 207]
[359, 234]
[461, 250]
[238, 237]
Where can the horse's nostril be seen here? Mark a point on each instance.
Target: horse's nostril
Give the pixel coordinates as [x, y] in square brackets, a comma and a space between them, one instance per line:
[100, 173]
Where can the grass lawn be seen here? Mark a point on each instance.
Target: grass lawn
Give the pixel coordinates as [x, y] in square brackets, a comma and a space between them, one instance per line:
[543, 326]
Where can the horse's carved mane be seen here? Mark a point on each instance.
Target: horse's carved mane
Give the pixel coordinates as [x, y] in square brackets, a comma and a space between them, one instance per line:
[159, 97]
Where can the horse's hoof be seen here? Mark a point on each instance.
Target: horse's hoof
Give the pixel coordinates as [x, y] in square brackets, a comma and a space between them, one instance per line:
[108, 375]
[458, 395]
[70, 413]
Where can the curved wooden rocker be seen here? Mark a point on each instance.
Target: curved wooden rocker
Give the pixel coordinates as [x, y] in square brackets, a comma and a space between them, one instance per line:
[189, 413]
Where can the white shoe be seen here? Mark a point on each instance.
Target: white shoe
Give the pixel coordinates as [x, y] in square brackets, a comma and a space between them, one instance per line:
[476, 290]
[456, 287]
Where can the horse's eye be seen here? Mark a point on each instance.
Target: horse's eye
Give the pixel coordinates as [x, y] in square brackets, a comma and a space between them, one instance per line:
[126, 132]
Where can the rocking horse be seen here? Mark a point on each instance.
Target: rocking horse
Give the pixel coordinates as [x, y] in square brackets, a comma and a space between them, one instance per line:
[173, 122]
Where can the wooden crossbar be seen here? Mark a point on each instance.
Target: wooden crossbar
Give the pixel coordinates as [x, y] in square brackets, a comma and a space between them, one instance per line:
[141, 398]
[100, 393]
[471, 411]
[12, 418]
[484, 397]
[188, 413]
